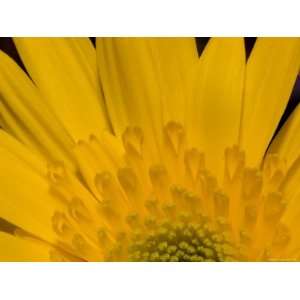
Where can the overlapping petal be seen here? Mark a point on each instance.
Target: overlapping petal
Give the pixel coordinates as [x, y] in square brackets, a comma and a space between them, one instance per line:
[215, 110]
[65, 72]
[271, 72]
[27, 117]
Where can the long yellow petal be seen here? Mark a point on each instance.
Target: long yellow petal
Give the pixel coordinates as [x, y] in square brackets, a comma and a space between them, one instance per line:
[271, 72]
[214, 114]
[24, 196]
[130, 81]
[22, 152]
[13, 249]
[287, 142]
[65, 71]
[28, 118]
[176, 60]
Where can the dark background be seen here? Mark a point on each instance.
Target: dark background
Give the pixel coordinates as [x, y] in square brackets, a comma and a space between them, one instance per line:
[7, 45]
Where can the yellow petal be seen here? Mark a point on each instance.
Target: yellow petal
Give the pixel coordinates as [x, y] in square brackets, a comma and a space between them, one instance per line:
[271, 72]
[287, 142]
[13, 249]
[28, 118]
[13, 146]
[65, 71]
[129, 76]
[176, 59]
[24, 196]
[214, 112]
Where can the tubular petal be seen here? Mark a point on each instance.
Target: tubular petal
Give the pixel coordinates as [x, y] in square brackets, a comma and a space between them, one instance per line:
[97, 155]
[65, 71]
[214, 112]
[287, 142]
[290, 185]
[28, 118]
[271, 72]
[131, 85]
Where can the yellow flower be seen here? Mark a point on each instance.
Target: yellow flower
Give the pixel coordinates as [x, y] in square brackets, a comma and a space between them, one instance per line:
[140, 150]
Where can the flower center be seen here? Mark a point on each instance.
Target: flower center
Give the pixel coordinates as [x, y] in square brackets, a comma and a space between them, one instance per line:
[181, 242]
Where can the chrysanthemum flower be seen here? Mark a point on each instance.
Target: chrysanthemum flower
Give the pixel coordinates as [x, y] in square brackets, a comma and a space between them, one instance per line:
[139, 150]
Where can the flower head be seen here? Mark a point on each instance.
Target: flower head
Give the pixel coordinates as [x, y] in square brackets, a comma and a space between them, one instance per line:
[139, 150]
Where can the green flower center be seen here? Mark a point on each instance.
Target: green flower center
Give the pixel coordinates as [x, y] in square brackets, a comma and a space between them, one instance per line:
[181, 242]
